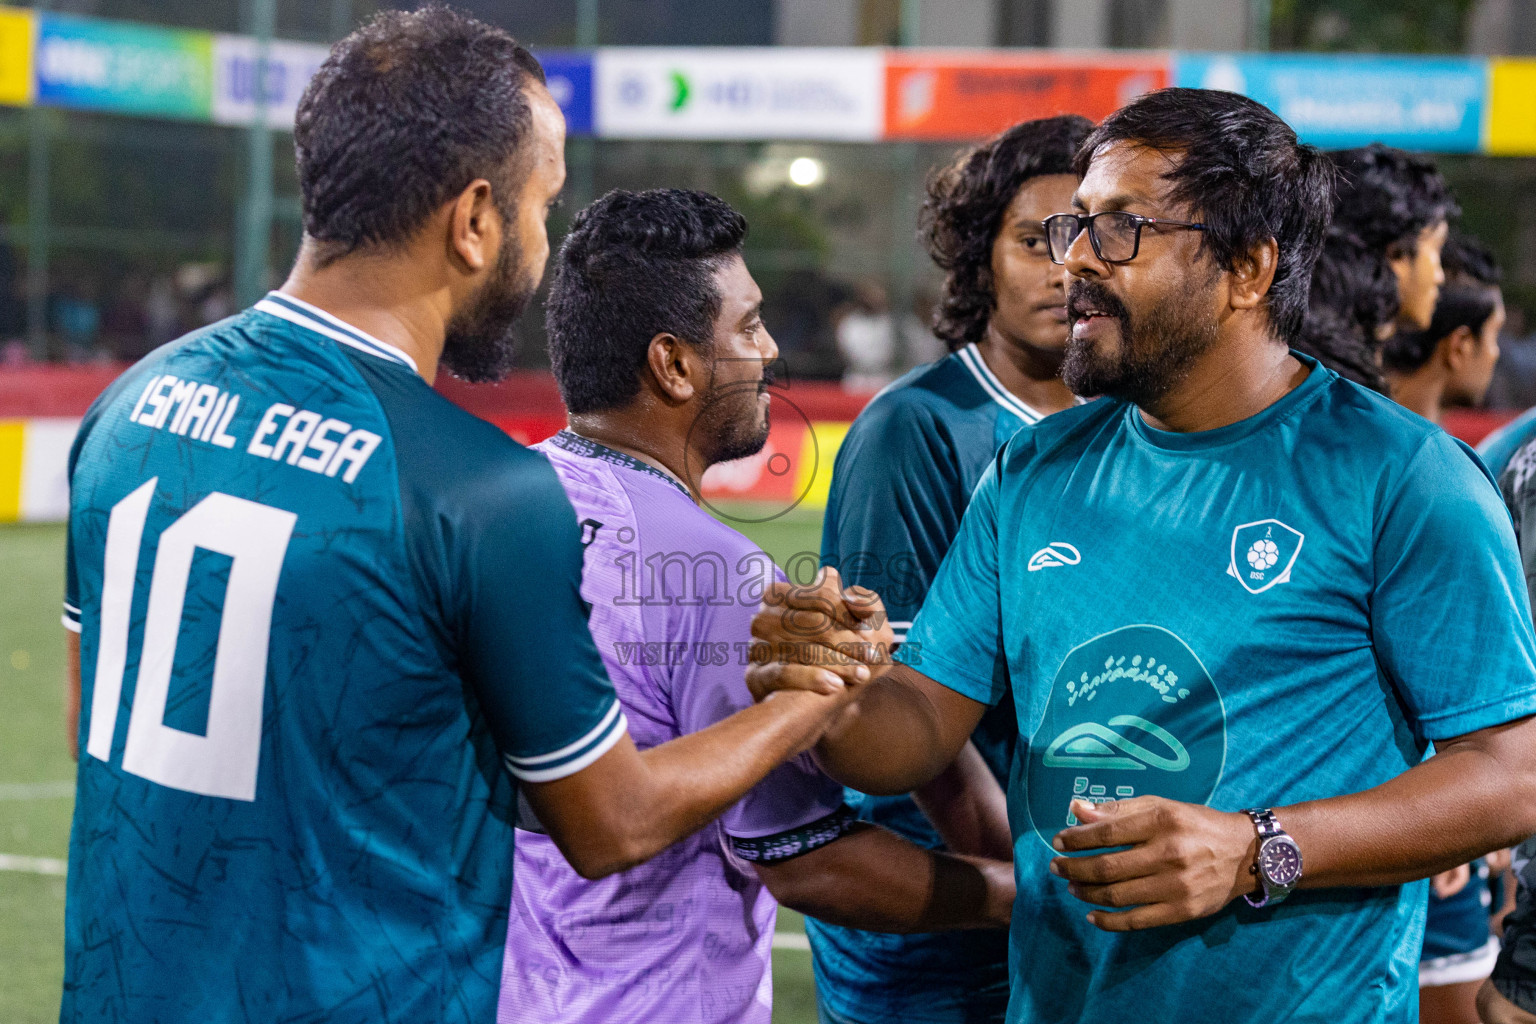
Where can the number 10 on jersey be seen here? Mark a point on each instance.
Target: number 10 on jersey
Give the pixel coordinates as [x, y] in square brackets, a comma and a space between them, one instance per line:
[224, 761]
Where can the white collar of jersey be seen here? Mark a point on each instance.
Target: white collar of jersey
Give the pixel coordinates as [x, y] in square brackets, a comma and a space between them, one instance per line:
[970, 355]
[297, 311]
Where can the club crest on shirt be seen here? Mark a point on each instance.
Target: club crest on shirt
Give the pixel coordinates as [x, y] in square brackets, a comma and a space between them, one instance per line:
[1263, 554]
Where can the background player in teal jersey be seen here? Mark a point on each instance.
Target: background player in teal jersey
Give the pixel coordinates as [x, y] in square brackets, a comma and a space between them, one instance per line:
[322, 612]
[1398, 205]
[1498, 448]
[900, 485]
[1451, 363]
[1287, 587]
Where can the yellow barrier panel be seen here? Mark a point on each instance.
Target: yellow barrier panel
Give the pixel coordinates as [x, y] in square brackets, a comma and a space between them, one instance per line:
[1512, 107]
[816, 454]
[18, 34]
[13, 440]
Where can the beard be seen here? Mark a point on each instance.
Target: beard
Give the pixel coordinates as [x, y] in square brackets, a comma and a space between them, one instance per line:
[481, 342]
[1157, 347]
[731, 426]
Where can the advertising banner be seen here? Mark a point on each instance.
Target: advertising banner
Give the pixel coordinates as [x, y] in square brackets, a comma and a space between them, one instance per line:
[283, 77]
[568, 74]
[34, 464]
[740, 93]
[1428, 103]
[1512, 107]
[957, 95]
[130, 69]
[18, 34]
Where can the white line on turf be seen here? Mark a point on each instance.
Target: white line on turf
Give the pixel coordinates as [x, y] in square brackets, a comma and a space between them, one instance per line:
[37, 790]
[791, 940]
[32, 865]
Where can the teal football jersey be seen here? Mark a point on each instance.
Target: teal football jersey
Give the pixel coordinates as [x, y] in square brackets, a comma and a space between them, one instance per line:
[1289, 608]
[322, 613]
[900, 485]
[1499, 447]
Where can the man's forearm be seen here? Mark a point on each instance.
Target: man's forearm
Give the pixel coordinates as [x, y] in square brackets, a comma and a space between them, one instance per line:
[1477, 794]
[891, 742]
[968, 807]
[874, 880]
[629, 805]
[690, 781]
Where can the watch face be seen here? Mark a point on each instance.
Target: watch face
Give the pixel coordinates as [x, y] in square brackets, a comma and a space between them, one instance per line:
[1280, 861]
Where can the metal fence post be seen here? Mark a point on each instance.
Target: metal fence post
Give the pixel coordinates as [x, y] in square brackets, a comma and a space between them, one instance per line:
[254, 239]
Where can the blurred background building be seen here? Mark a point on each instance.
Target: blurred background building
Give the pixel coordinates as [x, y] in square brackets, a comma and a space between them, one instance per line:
[118, 233]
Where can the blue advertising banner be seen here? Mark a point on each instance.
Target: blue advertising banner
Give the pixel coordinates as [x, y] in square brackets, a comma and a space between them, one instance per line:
[1427, 103]
[569, 76]
[129, 68]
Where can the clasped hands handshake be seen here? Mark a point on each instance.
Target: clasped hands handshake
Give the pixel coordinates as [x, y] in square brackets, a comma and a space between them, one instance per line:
[1166, 861]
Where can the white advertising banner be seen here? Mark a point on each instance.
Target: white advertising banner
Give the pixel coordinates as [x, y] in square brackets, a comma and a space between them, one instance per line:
[740, 93]
[288, 69]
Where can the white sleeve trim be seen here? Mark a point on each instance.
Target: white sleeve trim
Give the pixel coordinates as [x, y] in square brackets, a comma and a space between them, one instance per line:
[598, 742]
[573, 747]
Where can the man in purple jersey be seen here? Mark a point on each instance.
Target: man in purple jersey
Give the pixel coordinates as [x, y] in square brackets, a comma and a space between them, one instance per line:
[658, 345]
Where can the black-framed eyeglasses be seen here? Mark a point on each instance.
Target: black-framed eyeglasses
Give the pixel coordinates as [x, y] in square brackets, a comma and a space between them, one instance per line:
[1115, 235]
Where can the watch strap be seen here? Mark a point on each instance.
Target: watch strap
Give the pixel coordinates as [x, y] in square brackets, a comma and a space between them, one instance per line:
[1268, 827]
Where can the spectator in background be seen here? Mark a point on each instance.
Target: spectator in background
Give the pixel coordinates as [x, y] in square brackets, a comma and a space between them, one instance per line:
[162, 312]
[802, 306]
[866, 339]
[1451, 363]
[900, 487]
[124, 327]
[919, 345]
[76, 319]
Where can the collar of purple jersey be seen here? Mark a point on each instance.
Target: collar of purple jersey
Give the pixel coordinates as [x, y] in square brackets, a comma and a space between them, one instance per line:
[570, 441]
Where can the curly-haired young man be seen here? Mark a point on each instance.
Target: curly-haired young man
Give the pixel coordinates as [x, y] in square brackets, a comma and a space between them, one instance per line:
[901, 483]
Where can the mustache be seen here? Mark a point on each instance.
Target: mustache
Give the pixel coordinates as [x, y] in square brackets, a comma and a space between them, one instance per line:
[767, 381]
[1085, 295]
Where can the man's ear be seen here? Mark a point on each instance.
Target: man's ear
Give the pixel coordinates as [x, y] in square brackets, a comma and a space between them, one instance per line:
[675, 367]
[474, 228]
[1254, 273]
[1459, 347]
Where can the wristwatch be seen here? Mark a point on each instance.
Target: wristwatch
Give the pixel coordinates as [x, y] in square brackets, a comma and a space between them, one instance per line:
[1278, 864]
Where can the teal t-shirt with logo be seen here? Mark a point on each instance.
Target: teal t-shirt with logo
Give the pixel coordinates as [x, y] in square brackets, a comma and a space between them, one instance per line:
[1289, 608]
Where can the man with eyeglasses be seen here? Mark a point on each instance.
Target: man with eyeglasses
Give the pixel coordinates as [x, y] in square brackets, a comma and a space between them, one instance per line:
[1234, 601]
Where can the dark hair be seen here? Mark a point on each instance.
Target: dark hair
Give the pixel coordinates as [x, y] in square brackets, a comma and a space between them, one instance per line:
[1387, 196]
[1354, 292]
[1467, 299]
[1243, 175]
[1354, 280]
[401, 117]
[635, 265]
[1339, 344]
[964, 212]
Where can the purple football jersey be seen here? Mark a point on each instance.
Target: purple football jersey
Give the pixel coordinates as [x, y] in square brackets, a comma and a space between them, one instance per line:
[685, 938]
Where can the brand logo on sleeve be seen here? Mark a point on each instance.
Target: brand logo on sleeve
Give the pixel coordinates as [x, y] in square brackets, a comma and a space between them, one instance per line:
[1053, 554]
[1263, 554]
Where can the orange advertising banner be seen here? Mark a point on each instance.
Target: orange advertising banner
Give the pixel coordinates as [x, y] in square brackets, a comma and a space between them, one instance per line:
[949, 95]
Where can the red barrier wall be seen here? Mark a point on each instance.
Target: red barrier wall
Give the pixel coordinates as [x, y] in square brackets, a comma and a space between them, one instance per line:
[526, 404]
